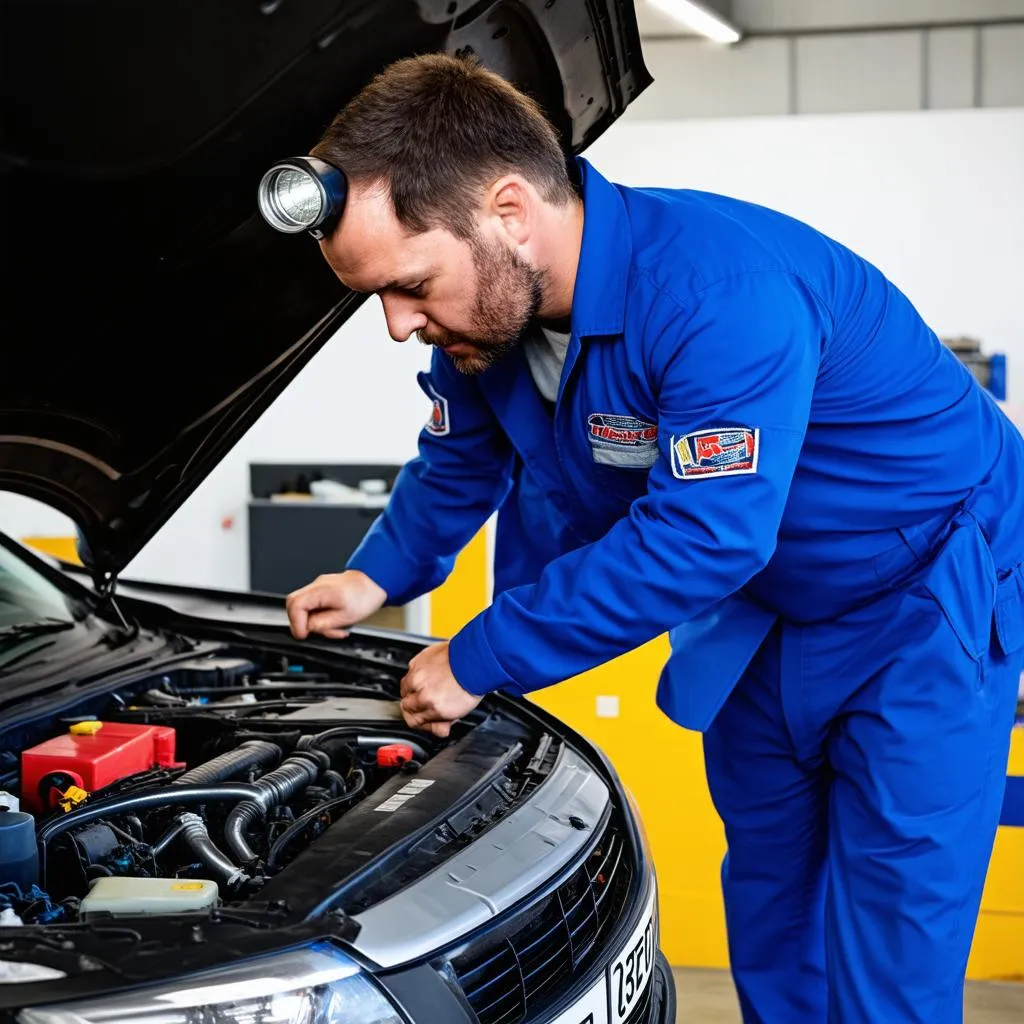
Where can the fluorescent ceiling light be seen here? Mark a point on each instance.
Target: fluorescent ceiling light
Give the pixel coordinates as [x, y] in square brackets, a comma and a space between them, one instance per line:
[697, 18]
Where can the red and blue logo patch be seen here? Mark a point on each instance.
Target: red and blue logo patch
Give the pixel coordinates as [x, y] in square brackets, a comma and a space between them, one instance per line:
[438, 424]
[622, 440]
[722, 451]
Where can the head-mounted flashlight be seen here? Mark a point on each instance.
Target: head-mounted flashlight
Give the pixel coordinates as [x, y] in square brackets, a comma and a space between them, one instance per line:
[302, 193]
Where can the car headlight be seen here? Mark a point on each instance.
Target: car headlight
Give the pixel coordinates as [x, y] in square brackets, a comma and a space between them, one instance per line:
[318, 985]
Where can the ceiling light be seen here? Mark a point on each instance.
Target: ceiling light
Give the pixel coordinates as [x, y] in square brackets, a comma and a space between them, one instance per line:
[698, 18]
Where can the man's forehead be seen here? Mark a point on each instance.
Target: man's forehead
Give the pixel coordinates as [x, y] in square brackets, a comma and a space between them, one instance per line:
[370, 249]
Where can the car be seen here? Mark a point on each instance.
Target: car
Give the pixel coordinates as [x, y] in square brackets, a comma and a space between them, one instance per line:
[204, 818]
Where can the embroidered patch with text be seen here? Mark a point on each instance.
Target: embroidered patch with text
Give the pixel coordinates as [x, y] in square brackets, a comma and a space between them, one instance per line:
[439, 423]
[723, 451]
[622, 440]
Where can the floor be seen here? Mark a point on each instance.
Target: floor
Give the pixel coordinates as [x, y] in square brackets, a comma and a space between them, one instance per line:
[707, 997]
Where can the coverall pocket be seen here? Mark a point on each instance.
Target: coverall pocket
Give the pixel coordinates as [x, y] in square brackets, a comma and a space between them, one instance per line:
[1010, 611]
[962, 580]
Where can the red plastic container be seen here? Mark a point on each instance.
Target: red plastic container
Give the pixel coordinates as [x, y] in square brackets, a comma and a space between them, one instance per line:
[394, 755]
[94, 760]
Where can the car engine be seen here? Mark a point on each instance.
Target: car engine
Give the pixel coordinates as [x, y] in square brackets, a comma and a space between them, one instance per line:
[201, 786]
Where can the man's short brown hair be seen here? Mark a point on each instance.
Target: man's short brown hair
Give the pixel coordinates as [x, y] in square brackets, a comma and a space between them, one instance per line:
[436, 131]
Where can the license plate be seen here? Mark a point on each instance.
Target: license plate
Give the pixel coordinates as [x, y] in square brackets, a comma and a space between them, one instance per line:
[591, 1009]
[630, 974]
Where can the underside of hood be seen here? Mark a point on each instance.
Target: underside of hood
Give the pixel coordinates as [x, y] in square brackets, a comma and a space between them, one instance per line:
[149, 314]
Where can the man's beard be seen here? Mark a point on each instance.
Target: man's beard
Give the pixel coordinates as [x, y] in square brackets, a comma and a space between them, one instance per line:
[509, 294]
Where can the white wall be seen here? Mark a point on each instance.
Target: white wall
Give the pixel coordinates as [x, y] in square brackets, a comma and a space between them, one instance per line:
[934, 199]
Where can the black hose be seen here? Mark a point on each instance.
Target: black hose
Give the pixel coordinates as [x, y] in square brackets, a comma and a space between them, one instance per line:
[276, 787]
[167, 838]
[195, 834]
[251, 754]
[303, 821]
[364, 741]
[138, 802]
[337, 783]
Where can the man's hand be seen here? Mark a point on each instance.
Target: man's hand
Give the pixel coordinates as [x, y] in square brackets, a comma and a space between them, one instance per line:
[431, 696]
[331, 603]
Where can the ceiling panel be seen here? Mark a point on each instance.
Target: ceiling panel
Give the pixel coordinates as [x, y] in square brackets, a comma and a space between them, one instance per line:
[793, 16]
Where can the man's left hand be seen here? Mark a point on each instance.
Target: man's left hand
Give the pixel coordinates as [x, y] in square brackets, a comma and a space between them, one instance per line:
[431, 696]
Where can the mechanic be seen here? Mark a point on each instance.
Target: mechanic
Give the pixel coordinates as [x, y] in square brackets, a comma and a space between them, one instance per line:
[699, 416]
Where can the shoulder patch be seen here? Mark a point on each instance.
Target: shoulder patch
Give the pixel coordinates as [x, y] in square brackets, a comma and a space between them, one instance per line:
[720, 451]
[439, 424]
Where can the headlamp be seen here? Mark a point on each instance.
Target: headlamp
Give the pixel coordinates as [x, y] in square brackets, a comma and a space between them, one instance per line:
[316, 985]
[302, 193]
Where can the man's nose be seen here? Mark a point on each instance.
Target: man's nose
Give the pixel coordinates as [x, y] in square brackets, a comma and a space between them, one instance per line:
[403, 318]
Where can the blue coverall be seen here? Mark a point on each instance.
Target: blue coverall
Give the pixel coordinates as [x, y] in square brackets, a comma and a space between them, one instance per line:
[760, 448]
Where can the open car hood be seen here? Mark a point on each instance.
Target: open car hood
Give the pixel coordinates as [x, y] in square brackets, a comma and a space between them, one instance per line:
[149, 314]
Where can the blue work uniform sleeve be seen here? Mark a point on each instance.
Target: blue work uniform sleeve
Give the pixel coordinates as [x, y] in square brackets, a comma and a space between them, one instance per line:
[444, 495]
[733, 373]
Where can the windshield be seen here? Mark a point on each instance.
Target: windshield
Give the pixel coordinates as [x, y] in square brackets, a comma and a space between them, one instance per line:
[27, 596]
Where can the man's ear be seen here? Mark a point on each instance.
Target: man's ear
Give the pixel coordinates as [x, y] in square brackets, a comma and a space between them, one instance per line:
[511, 204]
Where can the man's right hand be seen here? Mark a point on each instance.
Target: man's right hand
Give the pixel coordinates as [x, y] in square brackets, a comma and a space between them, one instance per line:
[332, 603]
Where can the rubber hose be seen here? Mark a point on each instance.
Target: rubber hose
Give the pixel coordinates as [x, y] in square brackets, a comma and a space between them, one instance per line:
[276, 787]
[195, 833]
[251, 754]
[138, 802]
[307, 819]
[166, 839]
[365, 741]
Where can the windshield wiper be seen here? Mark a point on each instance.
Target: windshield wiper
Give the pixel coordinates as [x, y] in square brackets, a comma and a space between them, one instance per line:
[12, 637]
[26, 630]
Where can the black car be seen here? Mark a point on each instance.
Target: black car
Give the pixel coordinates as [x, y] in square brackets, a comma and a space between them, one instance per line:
[205, 820]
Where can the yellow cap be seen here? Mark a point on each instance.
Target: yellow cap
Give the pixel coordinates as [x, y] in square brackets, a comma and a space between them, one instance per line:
[71, 798]
[85, 728]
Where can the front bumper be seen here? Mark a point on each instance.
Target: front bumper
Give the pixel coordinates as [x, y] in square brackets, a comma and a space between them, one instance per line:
[428, 995]
[548, 962]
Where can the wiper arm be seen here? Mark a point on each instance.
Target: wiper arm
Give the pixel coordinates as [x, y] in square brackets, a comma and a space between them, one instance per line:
[25, 630]
[12, 637]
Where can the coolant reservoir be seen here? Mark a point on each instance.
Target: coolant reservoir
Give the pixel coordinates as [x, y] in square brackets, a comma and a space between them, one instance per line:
[115, 895]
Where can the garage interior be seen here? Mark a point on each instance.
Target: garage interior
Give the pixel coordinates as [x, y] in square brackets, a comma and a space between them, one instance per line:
[897, 128]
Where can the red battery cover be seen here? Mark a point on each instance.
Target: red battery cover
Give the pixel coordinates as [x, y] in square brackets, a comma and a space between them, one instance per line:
[96, 759]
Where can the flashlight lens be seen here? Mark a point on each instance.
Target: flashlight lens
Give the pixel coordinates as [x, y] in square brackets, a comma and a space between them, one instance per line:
[295, 197]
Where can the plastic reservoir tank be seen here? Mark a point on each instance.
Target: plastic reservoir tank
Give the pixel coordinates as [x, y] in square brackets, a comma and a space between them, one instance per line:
[19, 857]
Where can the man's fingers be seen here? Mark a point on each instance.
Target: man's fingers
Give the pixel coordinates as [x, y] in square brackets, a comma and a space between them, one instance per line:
[440, 729]
[300, 606]
[416, 705]
[326, 622]
[409, 685]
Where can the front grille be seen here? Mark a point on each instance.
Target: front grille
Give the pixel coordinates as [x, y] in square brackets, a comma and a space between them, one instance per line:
[537, 957]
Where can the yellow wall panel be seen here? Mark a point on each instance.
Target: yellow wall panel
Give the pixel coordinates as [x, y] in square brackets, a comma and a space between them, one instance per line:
[663, 766]
[464, 593]
[59, 547]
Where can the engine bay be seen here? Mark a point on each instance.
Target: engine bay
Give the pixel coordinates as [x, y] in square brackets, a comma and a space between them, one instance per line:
[213, 783]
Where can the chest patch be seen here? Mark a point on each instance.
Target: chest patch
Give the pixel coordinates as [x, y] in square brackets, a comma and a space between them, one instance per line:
[622, 440]
[725, 451]
[438, 424]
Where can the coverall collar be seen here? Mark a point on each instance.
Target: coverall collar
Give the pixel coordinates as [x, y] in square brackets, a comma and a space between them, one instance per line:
[599, 295]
